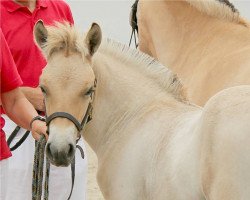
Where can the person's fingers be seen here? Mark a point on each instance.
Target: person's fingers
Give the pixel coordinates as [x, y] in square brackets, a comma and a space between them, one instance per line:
[39, 128]
[44, 131]
[36, 135]
[46, 136]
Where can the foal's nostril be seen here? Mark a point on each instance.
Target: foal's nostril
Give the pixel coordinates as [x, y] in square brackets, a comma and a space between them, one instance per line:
[71, 150]
[60, 156]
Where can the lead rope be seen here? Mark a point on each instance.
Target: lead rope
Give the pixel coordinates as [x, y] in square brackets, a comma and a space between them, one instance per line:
[37, 182]
[13, 135]
[38, 171]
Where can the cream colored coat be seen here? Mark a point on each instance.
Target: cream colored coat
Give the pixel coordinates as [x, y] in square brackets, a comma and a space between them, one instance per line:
[151, 144]
[204, 42]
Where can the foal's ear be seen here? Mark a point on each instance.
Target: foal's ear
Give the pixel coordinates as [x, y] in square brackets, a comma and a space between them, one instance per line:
[93, 38]
[40, 33]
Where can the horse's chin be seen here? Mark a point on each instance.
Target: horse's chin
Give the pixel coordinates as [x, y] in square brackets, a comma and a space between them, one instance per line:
[61, 162]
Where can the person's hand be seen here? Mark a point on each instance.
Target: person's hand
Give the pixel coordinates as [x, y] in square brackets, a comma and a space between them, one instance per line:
[38, 128]
[35, 97]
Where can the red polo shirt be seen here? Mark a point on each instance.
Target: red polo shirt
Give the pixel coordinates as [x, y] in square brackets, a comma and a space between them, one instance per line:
[17, 24]
[10, 80]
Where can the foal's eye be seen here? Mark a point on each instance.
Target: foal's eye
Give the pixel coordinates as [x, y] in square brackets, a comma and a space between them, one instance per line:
[90, 91]
[43, 90]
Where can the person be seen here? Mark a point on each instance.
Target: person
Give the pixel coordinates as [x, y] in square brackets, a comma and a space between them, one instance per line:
[18, 108]
[17, 21]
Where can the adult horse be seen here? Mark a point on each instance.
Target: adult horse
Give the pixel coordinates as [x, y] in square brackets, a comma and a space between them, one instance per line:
[151, 144]
[205, 42]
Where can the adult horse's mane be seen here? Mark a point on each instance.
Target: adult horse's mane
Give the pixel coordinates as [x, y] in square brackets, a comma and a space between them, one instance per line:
[64, 37]
[221, 9]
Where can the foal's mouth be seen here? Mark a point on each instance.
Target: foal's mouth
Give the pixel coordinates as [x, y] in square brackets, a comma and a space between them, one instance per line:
[60, 162]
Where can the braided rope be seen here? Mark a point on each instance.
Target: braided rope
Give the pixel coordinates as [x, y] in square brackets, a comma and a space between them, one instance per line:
[37, 181]
[46, 184]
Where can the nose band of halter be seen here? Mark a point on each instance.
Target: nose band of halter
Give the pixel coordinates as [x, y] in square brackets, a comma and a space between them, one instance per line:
[79, 126]
[64, 115]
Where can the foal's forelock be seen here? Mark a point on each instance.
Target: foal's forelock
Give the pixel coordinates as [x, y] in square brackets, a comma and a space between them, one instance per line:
[66, 38]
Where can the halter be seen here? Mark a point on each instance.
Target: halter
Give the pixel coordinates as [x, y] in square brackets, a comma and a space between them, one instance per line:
[133, 23]
[87, 117]
[40, 146]
[79, 125]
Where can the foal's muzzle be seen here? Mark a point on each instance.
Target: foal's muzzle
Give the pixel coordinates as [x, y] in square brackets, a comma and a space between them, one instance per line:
[60, 157]
[62, 153]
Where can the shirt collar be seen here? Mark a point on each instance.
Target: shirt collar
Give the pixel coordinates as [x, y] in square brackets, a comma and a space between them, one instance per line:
[41, 3]
[12, 6]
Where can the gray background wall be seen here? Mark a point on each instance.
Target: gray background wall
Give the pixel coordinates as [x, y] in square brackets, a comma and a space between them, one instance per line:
[113, 15]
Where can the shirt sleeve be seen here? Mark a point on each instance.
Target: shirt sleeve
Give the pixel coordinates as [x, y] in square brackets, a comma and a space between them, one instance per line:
[10, 78]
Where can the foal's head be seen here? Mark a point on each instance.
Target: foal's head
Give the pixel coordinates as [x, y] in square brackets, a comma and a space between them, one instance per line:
[67, 83]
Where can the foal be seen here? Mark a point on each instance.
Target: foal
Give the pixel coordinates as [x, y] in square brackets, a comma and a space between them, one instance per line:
[150, 142]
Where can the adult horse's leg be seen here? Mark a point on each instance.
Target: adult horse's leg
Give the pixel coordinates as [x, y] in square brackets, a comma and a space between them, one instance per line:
[225, 164]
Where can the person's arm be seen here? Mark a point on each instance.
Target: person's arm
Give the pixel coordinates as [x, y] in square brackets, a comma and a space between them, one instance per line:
[16, 106]
[21, 111]
[35, 97]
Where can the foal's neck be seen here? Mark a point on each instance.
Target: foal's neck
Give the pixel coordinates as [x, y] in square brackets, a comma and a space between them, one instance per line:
[120, 95]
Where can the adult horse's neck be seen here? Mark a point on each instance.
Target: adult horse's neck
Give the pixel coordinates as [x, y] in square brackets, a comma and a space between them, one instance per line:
[187, 40]
[127, 82]
[168, 29]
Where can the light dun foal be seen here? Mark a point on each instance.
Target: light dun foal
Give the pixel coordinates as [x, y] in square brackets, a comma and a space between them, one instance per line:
[150, 143]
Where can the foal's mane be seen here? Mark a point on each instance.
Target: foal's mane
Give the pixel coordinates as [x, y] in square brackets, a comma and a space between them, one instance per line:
[64, 37]
[147, 65]
[221, 9]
